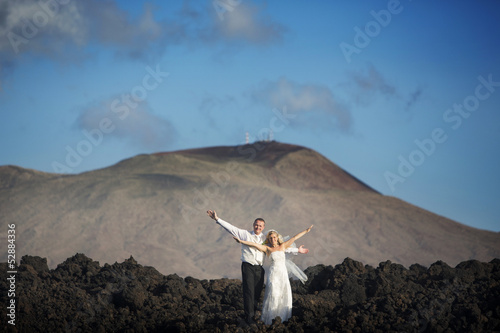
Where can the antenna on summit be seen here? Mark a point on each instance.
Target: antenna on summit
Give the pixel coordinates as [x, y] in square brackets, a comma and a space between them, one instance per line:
[247, 138]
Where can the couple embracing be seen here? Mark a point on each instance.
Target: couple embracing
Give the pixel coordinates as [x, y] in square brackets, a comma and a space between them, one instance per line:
[278, 294]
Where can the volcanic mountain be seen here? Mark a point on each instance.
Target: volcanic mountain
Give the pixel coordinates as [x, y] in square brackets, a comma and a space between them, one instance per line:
[153, 207]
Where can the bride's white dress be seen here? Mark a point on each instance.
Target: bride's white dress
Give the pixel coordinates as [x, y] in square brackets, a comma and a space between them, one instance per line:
[278, 294]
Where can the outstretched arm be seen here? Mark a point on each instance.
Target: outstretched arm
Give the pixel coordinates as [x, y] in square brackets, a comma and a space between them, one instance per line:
[236, 232]
[296, 250]
[259, 247]
[297, 236]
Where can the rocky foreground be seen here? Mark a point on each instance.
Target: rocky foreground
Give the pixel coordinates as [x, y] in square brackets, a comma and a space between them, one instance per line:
[81, 296]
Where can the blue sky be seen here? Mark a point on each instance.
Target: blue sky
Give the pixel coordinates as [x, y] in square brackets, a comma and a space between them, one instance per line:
[404, 95]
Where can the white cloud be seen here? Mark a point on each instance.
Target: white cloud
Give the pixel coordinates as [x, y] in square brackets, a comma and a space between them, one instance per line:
[247, 22]
[32, 26]
[56, 30]
[302, 98]
[70, 31]
[124, 118]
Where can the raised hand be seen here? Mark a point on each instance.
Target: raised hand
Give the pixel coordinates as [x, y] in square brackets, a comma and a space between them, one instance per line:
[212, 214]
[303, 250]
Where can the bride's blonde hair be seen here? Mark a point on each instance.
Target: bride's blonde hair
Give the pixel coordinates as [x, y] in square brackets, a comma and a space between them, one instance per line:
[280, 238]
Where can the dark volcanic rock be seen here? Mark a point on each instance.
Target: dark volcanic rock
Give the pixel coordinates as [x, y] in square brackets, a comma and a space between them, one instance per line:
[81, 296]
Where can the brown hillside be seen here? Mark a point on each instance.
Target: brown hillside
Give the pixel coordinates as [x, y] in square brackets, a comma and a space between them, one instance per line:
[154, 208]
[291, 165]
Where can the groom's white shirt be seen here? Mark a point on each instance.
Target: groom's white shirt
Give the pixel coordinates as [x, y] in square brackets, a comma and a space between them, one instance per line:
[249, 254]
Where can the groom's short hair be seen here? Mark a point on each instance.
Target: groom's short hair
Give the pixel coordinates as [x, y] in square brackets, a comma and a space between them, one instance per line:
[259, 219]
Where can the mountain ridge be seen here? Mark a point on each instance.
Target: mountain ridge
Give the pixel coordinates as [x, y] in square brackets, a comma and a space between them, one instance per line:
[153, 206]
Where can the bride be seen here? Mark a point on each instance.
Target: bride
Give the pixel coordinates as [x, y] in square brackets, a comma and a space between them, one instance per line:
[278, 294]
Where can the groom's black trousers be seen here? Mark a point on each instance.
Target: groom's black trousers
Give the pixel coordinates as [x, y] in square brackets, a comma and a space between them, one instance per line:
[253, 283]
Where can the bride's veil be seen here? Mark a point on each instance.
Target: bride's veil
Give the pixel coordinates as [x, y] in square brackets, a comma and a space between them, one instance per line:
[293, 270]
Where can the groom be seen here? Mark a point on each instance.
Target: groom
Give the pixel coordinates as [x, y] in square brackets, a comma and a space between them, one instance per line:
[252, 259]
